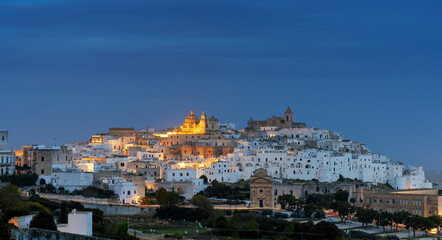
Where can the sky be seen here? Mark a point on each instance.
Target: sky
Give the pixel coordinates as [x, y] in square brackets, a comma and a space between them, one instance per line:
[371, 70]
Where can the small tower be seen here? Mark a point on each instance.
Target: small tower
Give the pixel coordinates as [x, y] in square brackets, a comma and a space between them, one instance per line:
[3, 140]
[288, 117]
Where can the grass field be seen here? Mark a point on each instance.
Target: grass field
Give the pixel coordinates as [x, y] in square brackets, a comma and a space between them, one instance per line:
[148, 224]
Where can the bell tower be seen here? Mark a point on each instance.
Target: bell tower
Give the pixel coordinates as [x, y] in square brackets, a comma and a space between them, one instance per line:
[288, 117]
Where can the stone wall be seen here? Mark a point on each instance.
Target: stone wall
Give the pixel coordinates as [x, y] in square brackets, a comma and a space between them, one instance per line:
[41, 234]
[79, 198]
[111, 209]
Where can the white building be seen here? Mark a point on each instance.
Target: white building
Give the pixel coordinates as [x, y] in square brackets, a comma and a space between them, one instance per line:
[7, 157]
[126, 191]
[79, 222]
[309, 153]
[71, 179]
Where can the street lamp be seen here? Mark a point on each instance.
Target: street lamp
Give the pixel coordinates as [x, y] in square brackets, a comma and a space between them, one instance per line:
[409, 226]
[379, 218]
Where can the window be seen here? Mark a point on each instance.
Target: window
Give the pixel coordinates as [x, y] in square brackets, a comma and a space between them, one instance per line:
[187, 174]
[42, 158]
[42, 171]
[128, 192]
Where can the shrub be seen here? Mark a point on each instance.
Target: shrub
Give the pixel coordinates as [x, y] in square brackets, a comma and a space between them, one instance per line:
[43, 220]
[267, 212]
[362, 235]
[280, 215]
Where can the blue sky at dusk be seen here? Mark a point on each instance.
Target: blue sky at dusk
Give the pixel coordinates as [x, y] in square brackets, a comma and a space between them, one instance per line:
[371, 70]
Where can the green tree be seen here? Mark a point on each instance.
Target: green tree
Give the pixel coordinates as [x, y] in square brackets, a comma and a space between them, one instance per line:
[425, 224]
[166, 198]
[251, 225]
[341, 196]
[414, 222]
[383, 223]
[344, 209]
[327, 229]
[399, 218]
[10, 197]
[43, 220]
[161, 196]
[202, 202]
[283, 200]
[365, 216]
[437, 221]
[63, 213]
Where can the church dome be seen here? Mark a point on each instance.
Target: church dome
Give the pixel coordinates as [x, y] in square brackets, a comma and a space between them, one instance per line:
[192, 118]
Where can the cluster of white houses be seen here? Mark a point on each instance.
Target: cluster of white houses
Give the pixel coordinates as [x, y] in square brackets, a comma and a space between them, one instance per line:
[201, 151]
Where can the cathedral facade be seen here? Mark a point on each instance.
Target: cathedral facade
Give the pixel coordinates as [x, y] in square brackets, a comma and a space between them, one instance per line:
[193, 129]
[281, 122]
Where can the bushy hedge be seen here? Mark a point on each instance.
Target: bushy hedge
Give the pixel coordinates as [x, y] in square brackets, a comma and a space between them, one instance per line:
[92, 191]
[177, 213]
[21, 180]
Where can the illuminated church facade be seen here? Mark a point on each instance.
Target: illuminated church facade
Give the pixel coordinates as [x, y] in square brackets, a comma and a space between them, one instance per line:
[193, 129]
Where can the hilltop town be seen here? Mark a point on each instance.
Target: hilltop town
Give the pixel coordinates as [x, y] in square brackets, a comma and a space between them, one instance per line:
[267, 161]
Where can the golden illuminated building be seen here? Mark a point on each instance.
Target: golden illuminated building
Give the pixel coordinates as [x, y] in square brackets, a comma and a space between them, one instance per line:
[192, 125]
[195, 165]
[97, 139]
[192, 129]
[91, 159]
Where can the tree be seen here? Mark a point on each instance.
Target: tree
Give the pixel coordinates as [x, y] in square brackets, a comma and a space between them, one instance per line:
[437, 221]
[425, 225]
[344, 209]
[399, 218]
[341, 178]
[383, 223]
[9, 197]
[413, 221]
[43, 220]
[161, 196]
[327, 229]
[92, 191]
[202, 202]
[341, 196]
[388, 218]
[63, 213]
[309, 209]
[166, 198]
[295, 204]
[97, 215]
[365, 216]
[283, 200]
